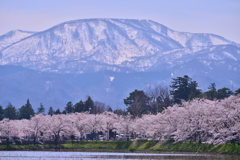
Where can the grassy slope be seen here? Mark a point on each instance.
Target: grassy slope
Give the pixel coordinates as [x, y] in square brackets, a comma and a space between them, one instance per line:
[150, 146]
[201, 148]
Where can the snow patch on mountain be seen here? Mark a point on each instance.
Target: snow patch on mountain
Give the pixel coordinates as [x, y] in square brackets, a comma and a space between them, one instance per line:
[111, 78]
[230, 56]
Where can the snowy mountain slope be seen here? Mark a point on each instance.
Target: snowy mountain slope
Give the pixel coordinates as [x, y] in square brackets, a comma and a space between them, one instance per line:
[107, 59]
[205, 55]
[13, 37]
[112, 44]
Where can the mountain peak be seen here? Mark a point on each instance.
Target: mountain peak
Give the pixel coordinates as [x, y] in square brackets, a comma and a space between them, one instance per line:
[138, 52]
[101, 44]
[12, 37]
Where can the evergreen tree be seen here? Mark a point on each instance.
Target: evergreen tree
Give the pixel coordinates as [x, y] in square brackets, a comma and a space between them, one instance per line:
[180, 88]
[41, 109]
[51, 111]
[26, 111]
[137, 103]
[1, 113]
[64, 112]
[17, 113]
[109, 109]
[10, 112]
[79, 107]
[237, 92]
[69, 108]
[212, 92]
[183, 88]
[193, 91]
[58, 111]
[224, 93]
[212, 87]
[89, 105]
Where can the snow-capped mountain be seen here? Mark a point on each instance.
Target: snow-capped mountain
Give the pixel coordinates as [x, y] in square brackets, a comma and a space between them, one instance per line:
[110, 58]
[105, 44]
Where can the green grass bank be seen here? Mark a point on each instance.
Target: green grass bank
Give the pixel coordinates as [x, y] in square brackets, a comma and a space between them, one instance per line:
[132, 146]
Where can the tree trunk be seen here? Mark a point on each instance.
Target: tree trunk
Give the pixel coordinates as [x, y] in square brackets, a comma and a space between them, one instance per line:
[56, 141]
[34, 140]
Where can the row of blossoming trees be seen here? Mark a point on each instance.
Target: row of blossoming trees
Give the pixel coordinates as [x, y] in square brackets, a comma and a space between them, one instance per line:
[199, 120]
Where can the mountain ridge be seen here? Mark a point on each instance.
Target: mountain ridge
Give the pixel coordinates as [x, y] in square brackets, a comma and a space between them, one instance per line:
[90, 51]
[101, 45]
[12, 37]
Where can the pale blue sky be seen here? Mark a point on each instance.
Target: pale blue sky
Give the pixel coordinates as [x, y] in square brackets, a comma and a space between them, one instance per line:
[221, 17]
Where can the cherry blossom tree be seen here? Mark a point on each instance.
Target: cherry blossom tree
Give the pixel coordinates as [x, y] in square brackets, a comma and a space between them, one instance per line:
[199, 120]
[227, 121]
[80, 122]
[57, 125]
[94, 122]
[192, 123]
[144, 126]
[37, 126]
[109, 121]
[11, 128]
[125, 124]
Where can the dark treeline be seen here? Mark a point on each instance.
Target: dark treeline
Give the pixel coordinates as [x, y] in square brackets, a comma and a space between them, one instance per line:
[151, 101]
[156, 99]
[26, 111]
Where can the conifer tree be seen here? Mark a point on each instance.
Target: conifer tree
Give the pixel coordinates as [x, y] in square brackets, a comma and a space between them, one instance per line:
[183, 88]
[109, 109]
[193, 91]
[10, 112]
[26, 111]
[51, 111]
[137, 103]
[237, 92]
[79, 107]
[89, 105]
[69, 108]
[57, 111]
[211, 94]
[1, 113]
[224, 93]
[41, 109]
[64, 112]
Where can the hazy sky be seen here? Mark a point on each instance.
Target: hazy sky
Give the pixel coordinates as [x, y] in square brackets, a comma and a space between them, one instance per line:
[221, 17]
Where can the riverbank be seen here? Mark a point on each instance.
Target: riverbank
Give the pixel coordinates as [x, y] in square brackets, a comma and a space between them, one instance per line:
[130, 146]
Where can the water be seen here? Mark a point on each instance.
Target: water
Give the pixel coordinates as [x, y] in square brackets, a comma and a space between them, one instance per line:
[40, 155]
